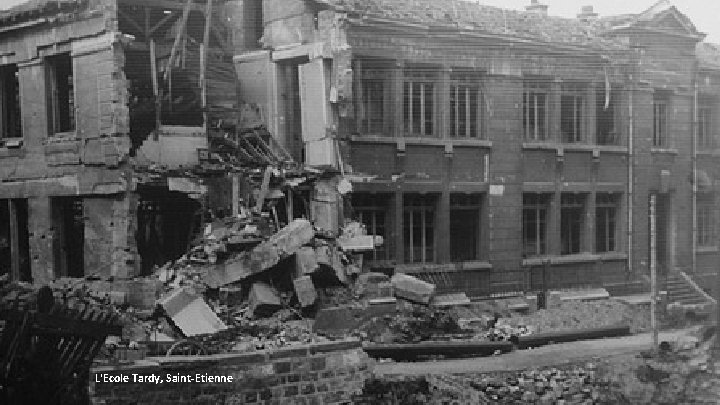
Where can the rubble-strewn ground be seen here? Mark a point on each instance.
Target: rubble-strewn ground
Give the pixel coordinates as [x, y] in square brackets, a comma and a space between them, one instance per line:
[682, 372]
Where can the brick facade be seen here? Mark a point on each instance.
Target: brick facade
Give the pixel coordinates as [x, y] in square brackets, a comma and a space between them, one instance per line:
[326, 373]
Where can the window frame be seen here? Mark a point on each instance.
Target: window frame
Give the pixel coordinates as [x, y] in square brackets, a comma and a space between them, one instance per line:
[539, 205]
[11, 122]
[661, 136]
[462, 202]
[377, 72]
[706, 127]
[607, 205]
[572, 208]
[613, 136]
[706, 221]
[374, 205]
[56, 126]
[534, 88]
[576, 93]
[425, 206]
[421, 77]
[471, 85]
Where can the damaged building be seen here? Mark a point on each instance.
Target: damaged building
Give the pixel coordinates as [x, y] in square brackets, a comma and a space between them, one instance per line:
[494, 151]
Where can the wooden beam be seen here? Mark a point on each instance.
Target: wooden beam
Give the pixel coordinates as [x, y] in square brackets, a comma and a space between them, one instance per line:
[164, 4]
[203, 59]
[131, 20]
[178, 36]
[14, 242]
[160, 23]
[264, 189]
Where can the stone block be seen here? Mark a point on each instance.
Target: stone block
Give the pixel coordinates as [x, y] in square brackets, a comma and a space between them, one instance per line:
[373, 285]
[305, 261]
[305, 290]
[190, 313]
[450, 300]
[264, 300]
[327, 255]
[412, 289]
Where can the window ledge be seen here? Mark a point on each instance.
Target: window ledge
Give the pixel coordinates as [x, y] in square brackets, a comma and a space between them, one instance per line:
[447, 267]
[62, 137]
[420, 141]
[667, 151]
[578, 258]
[574, 147]
[707, 249]
[714, 152]
[11, 152]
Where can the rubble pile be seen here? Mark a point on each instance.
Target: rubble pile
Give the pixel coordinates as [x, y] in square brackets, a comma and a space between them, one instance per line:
[574, 315]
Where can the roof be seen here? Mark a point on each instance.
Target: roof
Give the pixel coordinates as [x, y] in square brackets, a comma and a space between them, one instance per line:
[661, 16]
[483, 18]
[708, 55]
[35, 8]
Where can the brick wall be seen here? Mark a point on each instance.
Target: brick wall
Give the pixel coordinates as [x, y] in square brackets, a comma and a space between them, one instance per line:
[325, 373]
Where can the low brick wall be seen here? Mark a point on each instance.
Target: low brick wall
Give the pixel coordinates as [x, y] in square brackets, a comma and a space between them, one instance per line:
[326, 373]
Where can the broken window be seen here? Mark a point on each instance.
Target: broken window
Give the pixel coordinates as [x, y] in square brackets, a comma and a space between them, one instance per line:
[606, 211]
[69, 240]
[372, 211]
[60, 94]
[419, 103]
[705, 220]
[572, 104]
[10, 118]
[373, 101]
[660, 112]
[465, 107]
[535, 98]
[535, 212]
[14, 240]
[572, 212]
[464, 227]
[419, 228]
[605, 110]
[706, 136]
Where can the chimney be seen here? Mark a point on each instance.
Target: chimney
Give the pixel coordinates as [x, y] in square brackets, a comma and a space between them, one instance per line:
[587, 14]
[537, 8]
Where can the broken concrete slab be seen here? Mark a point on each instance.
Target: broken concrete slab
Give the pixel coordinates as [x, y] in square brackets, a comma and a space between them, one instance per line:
[190, 313]
[266, 255]
[327, 255]
[359, 243]
[450, 300]
[412, 288]
[264, 300]
[305, 261]
[336, 321]
[305, 290]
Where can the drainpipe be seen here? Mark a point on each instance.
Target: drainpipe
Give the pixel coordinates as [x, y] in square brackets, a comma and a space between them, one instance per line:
[630, 174]
[694, 167]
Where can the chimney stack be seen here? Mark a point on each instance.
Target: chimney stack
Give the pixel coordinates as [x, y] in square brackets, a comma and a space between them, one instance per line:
[587, 14]
[537, 8]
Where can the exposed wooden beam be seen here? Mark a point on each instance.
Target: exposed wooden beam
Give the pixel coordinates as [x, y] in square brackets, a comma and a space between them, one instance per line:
[164, 4]
[180, 34]
[160, 23]
[131, 21]
[221, 40]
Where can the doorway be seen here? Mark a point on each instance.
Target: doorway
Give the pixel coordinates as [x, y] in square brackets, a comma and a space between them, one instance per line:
[69, 243]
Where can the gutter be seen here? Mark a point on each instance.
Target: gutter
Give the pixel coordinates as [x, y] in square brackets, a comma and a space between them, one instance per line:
[630, 174]
[694, 167]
